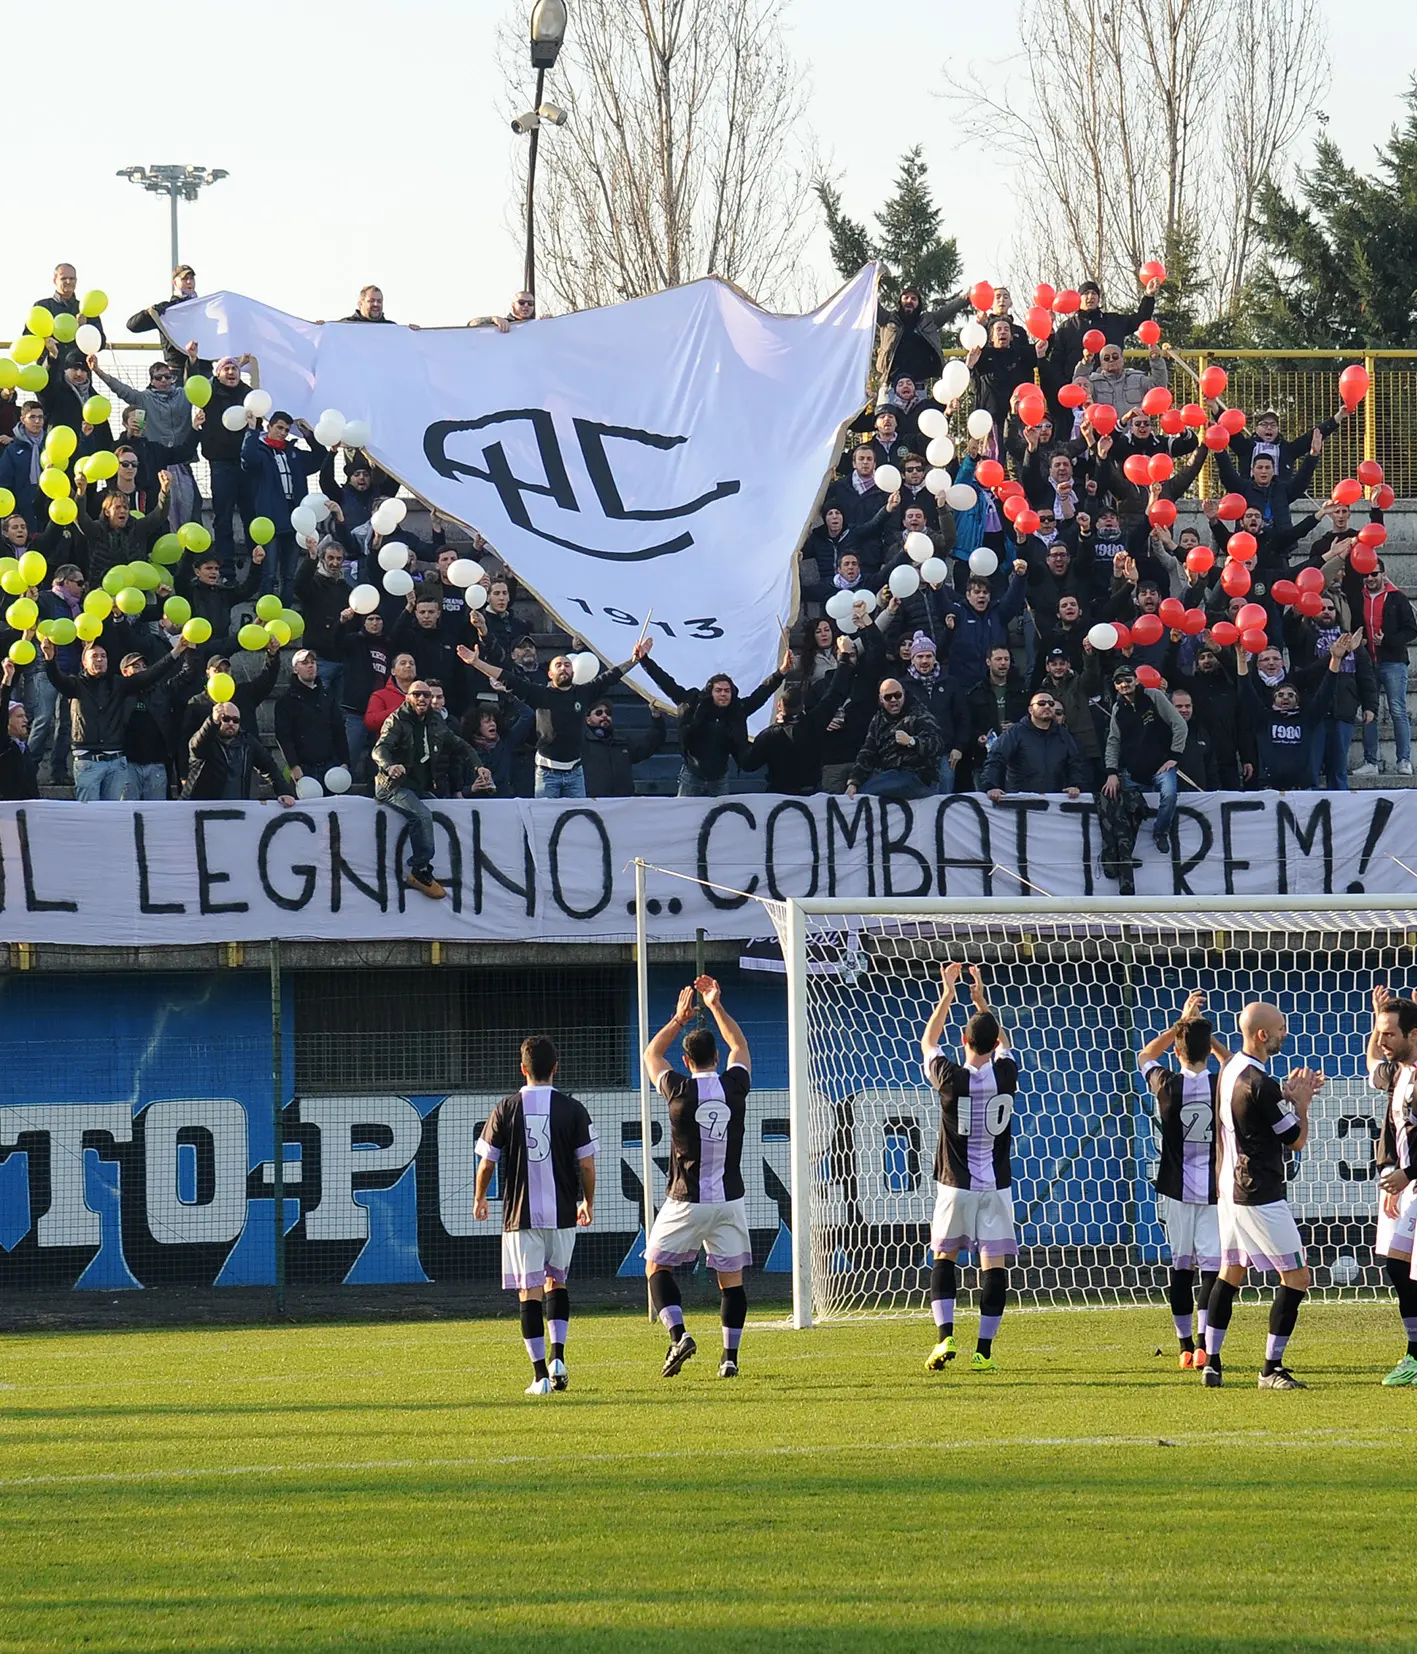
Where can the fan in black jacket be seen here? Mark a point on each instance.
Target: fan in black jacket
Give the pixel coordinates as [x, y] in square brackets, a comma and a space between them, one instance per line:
[224, 759]
[790, 748]
[19, 774]
[713, 725]
[609, 759]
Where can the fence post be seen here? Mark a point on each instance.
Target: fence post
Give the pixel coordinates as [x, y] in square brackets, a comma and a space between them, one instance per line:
[1370, 412]
[278, 1125]
[1207, 476]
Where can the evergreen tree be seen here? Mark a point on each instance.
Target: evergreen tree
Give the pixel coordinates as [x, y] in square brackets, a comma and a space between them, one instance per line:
[909, 246]
[1341, 261]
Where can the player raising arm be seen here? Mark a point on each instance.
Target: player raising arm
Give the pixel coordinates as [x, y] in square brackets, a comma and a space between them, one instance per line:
[704, 1203]
[1185, 1177]
[974, 1207]
[1392, 1052]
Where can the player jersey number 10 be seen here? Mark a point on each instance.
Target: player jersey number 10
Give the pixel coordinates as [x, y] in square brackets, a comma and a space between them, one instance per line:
[998, 1111]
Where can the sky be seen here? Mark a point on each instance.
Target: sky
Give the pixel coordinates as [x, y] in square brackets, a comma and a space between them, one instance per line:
[367, 143]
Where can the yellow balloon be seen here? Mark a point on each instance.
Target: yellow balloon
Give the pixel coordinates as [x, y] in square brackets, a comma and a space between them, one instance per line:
[87, 627]
[40, 322]
[22, 614]
[13, 583]
[98, 604]
[33, 377]
[102, 465]
[197, 630]
[9, 373]
[54, 483]
[33, 567]
[22, 651]
[61, 442]
[7, 502]
[62, 512]
[28, 348]
[65, 327]
[279, 631]
[94, 303]
[221, 686]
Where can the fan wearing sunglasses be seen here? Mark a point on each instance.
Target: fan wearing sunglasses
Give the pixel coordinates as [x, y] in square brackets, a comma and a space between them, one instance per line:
[224, 760]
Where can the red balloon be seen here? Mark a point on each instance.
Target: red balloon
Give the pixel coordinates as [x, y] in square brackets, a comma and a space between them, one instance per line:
[1372, 534]
[1147, 629]
[981, 295]
[1224, 633]
[1348, 492]
[1093, 341]
[1216, 438]
[1231, 508]
[1213, 381]
[1072, 395]
[1172, 611]
[1235, 580]
[1008, 490]
[1148, 677]
[1285, 593]
[1068, 302]
[1136, 469]
[1161, 513]
[1370, 473]
[1102, 416]
[1232, 420]
[1026, 522]
[1161, 468]
[1149, 333]
[1043, 295]
[1124, 635]
[1309, 604]
[1032, 410]
[1013, 504]
[989, 473]
[1153, 270]
[1251, 615]
[1199, 560]
[1193, 415]
[1242, 546]
[1194, 623]
[1363, 560]
[1038, 322]
[1173, 422]
[1252, 640]
[1157, 400]
[1383, 497]
[1353, 385]
[1310, 580]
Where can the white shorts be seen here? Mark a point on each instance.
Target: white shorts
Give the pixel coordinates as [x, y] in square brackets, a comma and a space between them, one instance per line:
[1395, 1234]
[1192, 1233]
[1259, 1237]
[531, 1257]
[973, 1220]
[681, 1227]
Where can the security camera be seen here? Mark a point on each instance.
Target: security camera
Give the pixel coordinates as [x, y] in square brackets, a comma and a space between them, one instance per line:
[526, 123]
[552, 114]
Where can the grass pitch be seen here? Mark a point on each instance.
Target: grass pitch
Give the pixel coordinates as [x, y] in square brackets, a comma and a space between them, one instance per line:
[390, 1487]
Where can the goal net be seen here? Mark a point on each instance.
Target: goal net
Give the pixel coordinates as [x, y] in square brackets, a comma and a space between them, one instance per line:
[1079, 993]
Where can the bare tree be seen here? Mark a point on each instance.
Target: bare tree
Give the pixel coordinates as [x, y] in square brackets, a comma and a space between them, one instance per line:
[686, 152]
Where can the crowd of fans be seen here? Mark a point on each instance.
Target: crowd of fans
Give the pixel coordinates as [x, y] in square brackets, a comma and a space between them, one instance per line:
[1016, 610]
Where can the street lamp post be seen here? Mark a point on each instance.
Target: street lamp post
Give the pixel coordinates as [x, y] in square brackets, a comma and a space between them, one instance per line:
[548, 31]
[175, 183]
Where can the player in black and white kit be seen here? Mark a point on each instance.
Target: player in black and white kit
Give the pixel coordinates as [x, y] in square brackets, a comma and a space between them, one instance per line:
[1259, 1119]
[1185, 1177]
[544, 1143]
[1392, 1053]
[974, 1206]
[704, 1203]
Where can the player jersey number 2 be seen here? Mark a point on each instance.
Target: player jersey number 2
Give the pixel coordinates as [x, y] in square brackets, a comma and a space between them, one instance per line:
[1197, 1122]
[538, 1136]
[713, 1118]
[998, 1111]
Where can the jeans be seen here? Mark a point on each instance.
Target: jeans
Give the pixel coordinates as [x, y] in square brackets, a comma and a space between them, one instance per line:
[1167, 783]
[947, 776]
[1330, 741]
[695, 786]
[278, 570]
[331, 675]
[560, 783]
[896, 784]
[44, 726]
[360, 741]
[226, 501]
[1392, 679]
[144, 783]
[420, 826]
[99, 780]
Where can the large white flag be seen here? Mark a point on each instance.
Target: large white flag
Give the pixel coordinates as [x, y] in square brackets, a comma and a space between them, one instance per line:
[662, 457]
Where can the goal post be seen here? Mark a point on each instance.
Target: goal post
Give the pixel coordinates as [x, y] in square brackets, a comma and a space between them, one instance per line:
[1080, 986]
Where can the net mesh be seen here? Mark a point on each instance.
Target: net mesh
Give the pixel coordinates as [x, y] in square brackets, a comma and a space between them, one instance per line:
[1078, 995]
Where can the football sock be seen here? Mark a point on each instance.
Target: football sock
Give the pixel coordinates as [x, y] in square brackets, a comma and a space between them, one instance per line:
[664, 1295]
[534, 1334]
[1222, 1301]
[733, 1311]
[993, 1290]
[1203, 1303]
[1405, 1287]
[558, 1315]
[942, 1296]
[1283, 1313]
[1180, 1291]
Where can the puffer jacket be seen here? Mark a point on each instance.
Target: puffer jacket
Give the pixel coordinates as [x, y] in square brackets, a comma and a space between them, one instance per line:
[882, 752]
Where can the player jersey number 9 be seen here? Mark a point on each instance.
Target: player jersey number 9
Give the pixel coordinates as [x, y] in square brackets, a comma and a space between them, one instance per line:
[998, 1111]
[538, 1136]
[713, 1118]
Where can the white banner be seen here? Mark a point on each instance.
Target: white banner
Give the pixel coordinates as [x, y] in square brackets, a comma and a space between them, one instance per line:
[134, 875]
[659, 461]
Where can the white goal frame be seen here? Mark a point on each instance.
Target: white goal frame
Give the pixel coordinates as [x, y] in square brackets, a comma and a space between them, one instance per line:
[1203, 913]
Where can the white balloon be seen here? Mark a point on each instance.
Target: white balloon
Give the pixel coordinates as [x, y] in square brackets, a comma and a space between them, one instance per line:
[938, 482]
[89, 339]
[1103, 636]
[584, 667]
[397, 509]
[961, 497]
[398, 582]
[464, 572]
[476, 596]
[318, 504]
[838, 605]
[258, 403]
[388, 516]
[866, 598]
[887, 478]
[328, 436]
[983, 562]
[302, 520]
[393, 556]
[934, 571]
[932, 423]
[338, 779]
[941, 451]
[308, 786]
[904, 581]
[357, 433]
[364, 599]
[234, 419]
[953, 382]
[847, 626]
[331, 416]
[973, 337]
[979, 424]
[919, 546]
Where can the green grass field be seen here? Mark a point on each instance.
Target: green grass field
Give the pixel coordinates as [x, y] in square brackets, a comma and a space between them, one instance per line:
[389, 1487]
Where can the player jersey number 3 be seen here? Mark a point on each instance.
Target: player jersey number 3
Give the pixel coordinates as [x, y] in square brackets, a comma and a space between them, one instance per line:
[538, 1136]
[997, 1111]
[713, 1117]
